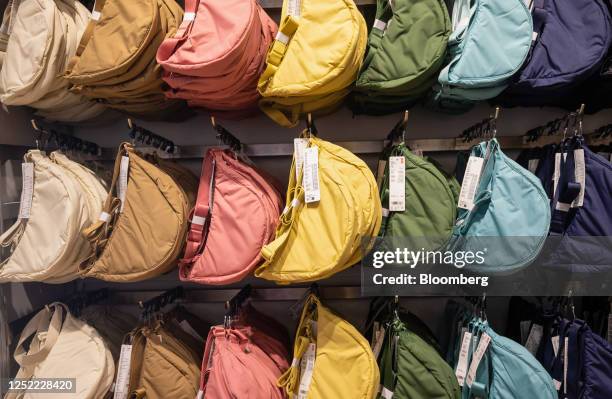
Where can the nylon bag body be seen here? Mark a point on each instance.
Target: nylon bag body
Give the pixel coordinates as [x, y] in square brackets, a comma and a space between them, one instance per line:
[406, 50]
[344, 365]
[164, 364]
[331, 36]
[481, 59]
[431, 206]
[115, 63]
[234, 366]
[235, 216]
[504, 364]
[592, 219]
[314, 241]
[39, 37]
[48, 246]
[127, 243]
[63, 346]
[412, 369]
[509, 202]
[215, 58]
[556, 67]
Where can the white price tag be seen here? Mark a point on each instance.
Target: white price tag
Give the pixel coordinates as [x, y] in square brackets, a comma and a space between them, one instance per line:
[461, 370]
[123, 180]
[27, 190]
[189, 16]
[610, 328]
[555, 344]
[565, 360]
[379, 338]
[123, 373]
[380, 171]
[580, 176]
[525, 327]
[485, 339]
[534, 339]
[533, 165]
[307, 367]
[95, 15]
[470, 183]
[299, 147]
[312, 191]
[294, 8]
[397, 184]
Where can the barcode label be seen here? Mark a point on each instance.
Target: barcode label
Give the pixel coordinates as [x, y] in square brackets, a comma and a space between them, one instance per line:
[397, 184]
[294, 8]
[470, 183]
[461, 370]
[610, 328]
[123, 180]
[123, 373]
[311, 175]
[27, 190]
[580, 176]
[299, 147]
[307, 367]
[379, 338]
[534, 339]
[380, 171]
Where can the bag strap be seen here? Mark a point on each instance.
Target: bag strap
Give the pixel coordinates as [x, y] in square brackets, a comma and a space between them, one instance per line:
[99, 232]
[49, 322]
[278, 48]
[295, 196]
[7, 24]
[170, 44]
[290, 380]
[96, 14]
[566, 192]
[201, 213]
[384, 13]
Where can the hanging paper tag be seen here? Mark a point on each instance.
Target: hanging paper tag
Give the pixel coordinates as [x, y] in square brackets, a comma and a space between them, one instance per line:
[610, 328]
[470, 183]
[312, 191]
[95, 15]
[380, 171]
[533, 165]
[565, 360]
[534, 339]
[123, 373]
[294, 8]
[189, 16]
[555, 343]
[379, 338]
[123, 180]
[580, 176]
[525, 326]
[307, 367]
[461, 370]
[27, 190]
[397, 184]
[299, 147]
[485, 339]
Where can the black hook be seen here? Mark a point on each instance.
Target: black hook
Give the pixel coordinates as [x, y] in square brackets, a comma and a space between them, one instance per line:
[149, 138]
[226, 137]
